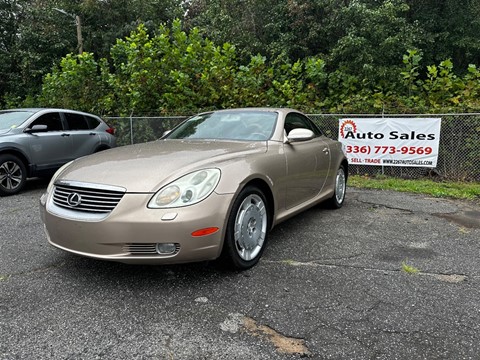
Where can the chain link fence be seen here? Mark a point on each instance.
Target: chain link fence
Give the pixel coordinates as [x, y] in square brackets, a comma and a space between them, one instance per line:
[459, 153]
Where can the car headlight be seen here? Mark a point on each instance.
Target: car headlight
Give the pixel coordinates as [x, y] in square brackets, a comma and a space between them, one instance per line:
[187, 190]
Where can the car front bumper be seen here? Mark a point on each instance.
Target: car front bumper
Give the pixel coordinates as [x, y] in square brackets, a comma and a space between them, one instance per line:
[130, 232]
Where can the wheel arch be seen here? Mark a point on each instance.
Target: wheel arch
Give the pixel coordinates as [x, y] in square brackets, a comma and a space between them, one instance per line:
[344, 163]
[265, 189]
[23, 158]
[226, 255]
[101, 147]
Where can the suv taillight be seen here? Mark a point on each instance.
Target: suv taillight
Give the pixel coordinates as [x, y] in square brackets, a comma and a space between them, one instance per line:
[111, 131]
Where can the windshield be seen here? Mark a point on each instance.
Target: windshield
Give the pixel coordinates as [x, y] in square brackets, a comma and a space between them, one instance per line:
[13, 119]
[228, 125]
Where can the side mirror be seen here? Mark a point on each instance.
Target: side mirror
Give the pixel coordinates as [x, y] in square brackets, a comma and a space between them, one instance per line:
[298, 135]
[36, 129]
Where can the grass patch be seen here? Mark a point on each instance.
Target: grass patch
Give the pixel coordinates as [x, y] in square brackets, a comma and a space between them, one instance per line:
[409, 269]
[458, 190]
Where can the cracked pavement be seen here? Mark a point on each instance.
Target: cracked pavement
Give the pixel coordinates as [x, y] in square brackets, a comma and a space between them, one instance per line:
[329, 286]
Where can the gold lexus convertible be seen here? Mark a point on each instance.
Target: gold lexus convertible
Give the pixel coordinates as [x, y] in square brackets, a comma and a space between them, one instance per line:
[211, 188]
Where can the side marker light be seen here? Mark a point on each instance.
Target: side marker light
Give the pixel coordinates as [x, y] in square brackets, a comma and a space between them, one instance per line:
[205, 232]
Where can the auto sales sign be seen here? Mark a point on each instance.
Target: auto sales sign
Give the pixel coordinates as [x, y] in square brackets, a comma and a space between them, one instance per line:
[391, 141]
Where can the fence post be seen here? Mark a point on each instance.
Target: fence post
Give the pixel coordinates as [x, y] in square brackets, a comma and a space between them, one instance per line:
[131, 128]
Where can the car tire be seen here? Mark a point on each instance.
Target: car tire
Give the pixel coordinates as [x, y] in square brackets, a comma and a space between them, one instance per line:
[247, 229]
[338, 197]
[101, 148]
[13, 174]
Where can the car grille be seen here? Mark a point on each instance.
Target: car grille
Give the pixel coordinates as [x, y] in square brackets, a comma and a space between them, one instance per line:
[86, 199]
[145, 249]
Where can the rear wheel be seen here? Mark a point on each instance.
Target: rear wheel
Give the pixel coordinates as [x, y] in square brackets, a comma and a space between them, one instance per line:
[13, 174]
[247, 228]
[338, 198]
[101, 148]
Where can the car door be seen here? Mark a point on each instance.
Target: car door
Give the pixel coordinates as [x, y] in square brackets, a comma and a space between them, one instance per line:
[308, 162]
[48, 149]
[84, 140]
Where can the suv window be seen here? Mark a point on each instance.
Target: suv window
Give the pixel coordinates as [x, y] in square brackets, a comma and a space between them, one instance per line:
[12, 119]
[76, 121]
[52, 120]
[92, 122]
[298, 121]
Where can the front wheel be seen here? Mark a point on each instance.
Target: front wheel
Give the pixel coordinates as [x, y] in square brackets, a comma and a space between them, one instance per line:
[13, 174]
[338, 198]
[247, 229]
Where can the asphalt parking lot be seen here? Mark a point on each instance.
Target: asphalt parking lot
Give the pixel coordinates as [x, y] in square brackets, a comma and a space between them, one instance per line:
[329, 286]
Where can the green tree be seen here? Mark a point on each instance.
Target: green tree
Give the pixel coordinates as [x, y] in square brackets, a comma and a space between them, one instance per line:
[450, 30]
[373, 41]
[9, 13]
[79, 82]
[106, 21]
[171, 70]
[252, 26]
[34, 35]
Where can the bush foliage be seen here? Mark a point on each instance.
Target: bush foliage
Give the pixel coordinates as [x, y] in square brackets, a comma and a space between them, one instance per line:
[176, 72]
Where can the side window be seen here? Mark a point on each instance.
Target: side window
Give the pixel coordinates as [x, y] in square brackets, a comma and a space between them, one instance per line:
[52, 120]
[315, 129]
[76, 121]
[298, 121]
[92, 122]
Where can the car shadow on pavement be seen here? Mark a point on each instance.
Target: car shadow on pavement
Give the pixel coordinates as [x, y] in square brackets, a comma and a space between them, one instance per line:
[36, 184]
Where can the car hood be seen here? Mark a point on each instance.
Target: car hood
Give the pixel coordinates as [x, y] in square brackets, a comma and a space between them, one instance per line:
[147, 167]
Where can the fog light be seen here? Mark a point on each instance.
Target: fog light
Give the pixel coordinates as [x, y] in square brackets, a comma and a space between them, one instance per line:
[166, 249]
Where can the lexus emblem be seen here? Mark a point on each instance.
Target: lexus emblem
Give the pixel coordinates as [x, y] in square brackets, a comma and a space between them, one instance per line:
[74, 199]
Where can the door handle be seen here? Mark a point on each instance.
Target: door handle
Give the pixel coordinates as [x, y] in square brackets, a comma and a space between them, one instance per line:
[65, 134]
